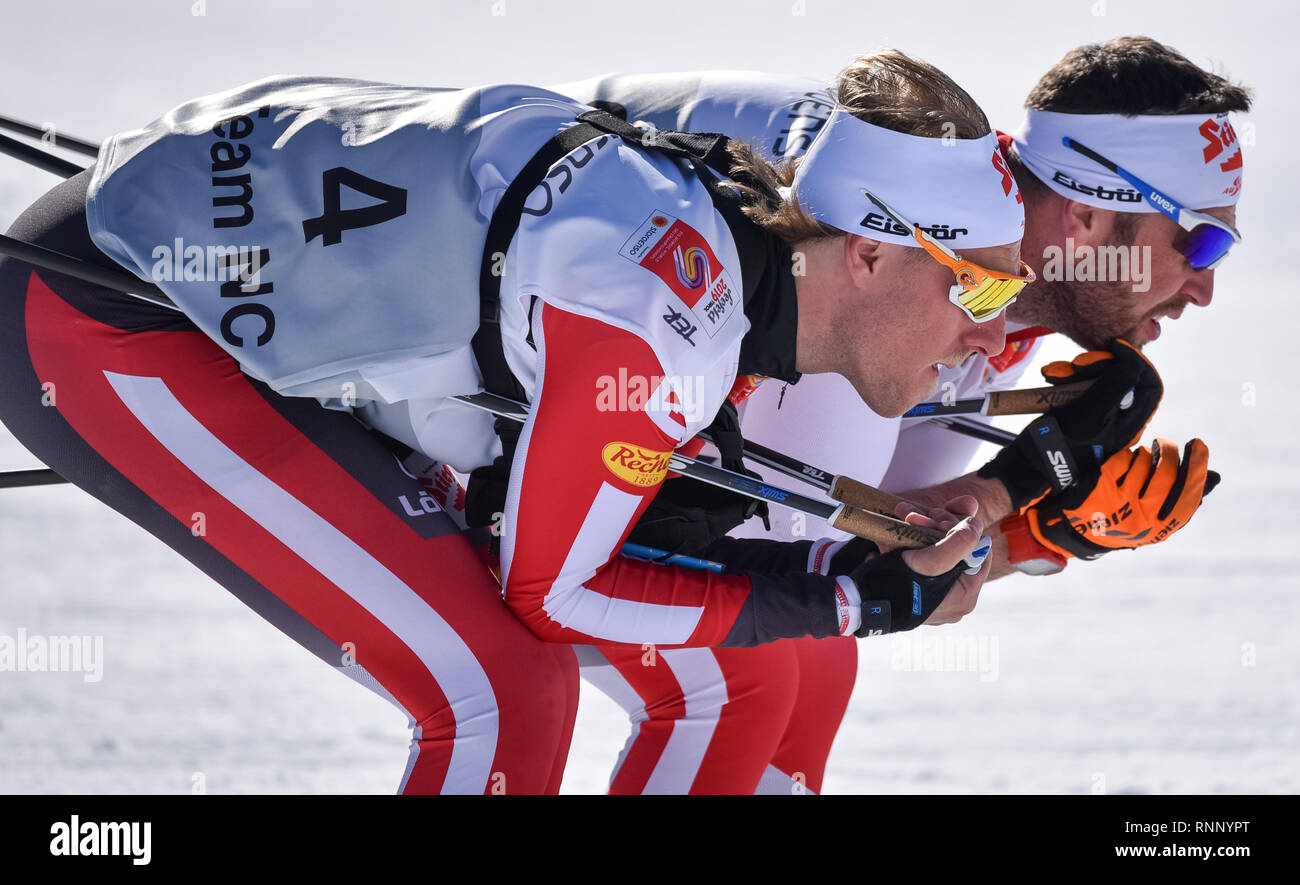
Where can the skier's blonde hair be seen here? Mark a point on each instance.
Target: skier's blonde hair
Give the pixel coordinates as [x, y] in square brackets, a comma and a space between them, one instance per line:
[886, 88]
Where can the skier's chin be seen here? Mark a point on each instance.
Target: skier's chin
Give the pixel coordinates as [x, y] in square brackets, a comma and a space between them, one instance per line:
[926, 387]
[893, 402]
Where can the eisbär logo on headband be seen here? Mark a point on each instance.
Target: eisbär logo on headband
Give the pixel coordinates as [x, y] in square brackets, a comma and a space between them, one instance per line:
[959, 188]
[878, 223]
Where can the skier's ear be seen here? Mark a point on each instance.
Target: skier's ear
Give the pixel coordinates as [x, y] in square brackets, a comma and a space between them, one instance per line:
[1086, 225]
[861, 258]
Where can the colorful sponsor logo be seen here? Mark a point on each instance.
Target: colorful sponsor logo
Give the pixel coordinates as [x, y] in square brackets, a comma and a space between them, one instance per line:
[1220, 137]
[635, 465]
[744, 387]
[680, 256]
[692, 266]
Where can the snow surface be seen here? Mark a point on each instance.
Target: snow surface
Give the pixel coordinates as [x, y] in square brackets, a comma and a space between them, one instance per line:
[1172, 670]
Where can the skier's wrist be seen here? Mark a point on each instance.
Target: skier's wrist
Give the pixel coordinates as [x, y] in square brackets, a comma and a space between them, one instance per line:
[896, 598]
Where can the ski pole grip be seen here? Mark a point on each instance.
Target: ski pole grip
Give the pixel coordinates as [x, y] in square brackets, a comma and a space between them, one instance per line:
[862, 496]
[1032, 401]
[883, 530]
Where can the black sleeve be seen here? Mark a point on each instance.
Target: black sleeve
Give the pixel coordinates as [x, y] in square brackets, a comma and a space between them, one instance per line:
[741, 555]
[785, 607]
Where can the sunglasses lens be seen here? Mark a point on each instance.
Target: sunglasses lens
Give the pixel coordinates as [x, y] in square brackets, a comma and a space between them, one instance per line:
[988, 299]
[1206, 244]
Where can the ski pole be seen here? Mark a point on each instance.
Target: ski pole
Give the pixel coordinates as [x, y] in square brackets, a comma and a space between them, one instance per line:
[38, 158]
[840, 488]
[976, 429]
[874, 526]
[15, 479]
[118, 280]
[663, 557]
[1029, 401]
[49, 133]
[47, 477]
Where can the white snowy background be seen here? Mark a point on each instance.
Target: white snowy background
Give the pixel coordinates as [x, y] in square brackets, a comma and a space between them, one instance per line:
[1171, 670]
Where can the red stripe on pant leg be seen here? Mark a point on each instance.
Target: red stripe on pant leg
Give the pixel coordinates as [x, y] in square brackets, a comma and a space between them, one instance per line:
[828, 669]
[568, 663]
[762, 683]
[532, 689]
[655, 684]
[72, 351]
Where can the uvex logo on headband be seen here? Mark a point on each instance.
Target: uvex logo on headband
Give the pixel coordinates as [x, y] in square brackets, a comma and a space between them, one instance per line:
[1195, 158]
[958, 188]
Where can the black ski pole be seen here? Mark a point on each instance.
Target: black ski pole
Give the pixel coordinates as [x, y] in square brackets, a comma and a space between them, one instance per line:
[16, 479]
[84, 270]
[38, 158]
[69, 142]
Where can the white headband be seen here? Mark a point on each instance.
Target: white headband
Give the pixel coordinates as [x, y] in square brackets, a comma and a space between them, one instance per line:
[1194, 158]
[957, 189]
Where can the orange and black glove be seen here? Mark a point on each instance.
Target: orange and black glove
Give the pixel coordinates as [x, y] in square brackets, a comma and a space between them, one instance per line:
[1072, 440]
[1136, 498]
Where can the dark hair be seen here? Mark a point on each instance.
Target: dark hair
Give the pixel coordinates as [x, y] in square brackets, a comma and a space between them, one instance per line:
[1127, 75]
[1133, 75]
[886, 88]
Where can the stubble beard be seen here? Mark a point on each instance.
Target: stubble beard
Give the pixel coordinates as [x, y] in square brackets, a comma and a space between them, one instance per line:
[1090, 313]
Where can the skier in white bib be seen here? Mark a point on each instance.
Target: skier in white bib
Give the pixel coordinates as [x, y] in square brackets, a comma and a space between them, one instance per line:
[349, 257]
[786, 700]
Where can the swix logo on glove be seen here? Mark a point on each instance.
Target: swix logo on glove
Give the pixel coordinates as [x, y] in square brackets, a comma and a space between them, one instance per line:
[1061, 467]
[680, 256]
[635, 465]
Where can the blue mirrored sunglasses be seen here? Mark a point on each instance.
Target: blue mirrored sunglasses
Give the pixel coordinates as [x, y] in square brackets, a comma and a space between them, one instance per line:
[1208, 239]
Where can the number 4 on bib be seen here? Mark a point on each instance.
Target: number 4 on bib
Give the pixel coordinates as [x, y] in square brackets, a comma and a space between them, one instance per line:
[331, 223]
